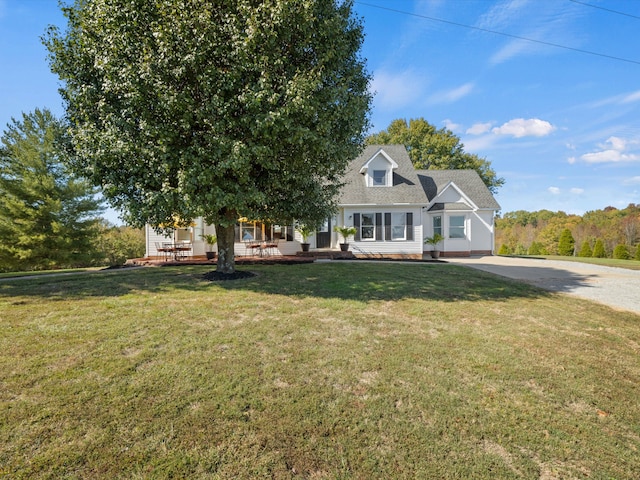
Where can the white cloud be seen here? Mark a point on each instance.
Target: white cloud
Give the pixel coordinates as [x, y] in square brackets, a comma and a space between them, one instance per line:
[393, 90]
[478, 128]
[553, 190]
[453, 95]
[577, 191]
[632, 97]
[571, 160]
[614, 150]
[519, 127]
[449, 124]
[632, 181]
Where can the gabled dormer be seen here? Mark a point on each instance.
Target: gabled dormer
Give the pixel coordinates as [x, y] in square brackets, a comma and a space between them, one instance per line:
[378, 170]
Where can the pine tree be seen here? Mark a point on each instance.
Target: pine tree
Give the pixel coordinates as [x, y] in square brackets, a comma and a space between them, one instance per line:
[504, 250]
[598, 249]
[621, 252]
[566, 244]
[47, 216]
[585, 250]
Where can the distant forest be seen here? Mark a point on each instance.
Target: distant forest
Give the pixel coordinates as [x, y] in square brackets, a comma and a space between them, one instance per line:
[610, 232]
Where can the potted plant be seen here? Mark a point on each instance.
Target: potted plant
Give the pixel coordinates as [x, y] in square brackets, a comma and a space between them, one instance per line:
[305, 231]
[434, 241]
[346, 232]
[210, 240]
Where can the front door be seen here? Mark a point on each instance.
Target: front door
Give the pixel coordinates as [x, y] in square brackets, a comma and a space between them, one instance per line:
[323, 235]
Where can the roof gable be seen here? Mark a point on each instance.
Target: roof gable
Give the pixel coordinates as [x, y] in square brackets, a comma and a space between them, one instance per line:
[439, 184]
[379, 154]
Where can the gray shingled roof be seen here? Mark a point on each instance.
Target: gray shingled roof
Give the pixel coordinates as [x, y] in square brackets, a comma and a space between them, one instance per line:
[406, 184]
[411, 186]
[468, 181]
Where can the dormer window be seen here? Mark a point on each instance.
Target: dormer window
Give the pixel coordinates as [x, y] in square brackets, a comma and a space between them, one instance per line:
[379, 178]
[378, 170]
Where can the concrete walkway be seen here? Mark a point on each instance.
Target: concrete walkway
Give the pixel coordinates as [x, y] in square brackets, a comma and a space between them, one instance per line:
[617, 287]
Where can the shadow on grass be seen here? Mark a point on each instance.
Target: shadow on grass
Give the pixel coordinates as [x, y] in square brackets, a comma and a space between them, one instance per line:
[361, 281]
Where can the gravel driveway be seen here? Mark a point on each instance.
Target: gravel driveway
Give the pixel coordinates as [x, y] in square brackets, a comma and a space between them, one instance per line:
[616, 287]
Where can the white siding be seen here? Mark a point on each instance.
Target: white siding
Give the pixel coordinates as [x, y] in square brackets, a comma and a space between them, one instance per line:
[391, 247]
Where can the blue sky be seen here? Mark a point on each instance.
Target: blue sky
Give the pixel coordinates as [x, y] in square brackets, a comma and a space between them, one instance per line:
[560, 123]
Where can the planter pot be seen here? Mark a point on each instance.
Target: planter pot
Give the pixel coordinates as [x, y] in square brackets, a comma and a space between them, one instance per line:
[211, 255]
[305, 247]
[344, 247]
[435, 253]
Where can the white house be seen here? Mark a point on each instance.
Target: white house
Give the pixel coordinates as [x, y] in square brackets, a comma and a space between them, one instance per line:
[393, 207]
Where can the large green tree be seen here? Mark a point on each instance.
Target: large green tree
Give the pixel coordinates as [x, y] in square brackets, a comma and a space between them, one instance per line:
[48, 217]
[437, 149]
[185, 108]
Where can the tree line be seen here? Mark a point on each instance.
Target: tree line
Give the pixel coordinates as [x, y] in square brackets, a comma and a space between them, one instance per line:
[606, 233]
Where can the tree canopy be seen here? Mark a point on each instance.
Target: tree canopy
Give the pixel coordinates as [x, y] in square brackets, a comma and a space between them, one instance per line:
[542, 232]
[437, 149]
[48, 216]
[186, 108]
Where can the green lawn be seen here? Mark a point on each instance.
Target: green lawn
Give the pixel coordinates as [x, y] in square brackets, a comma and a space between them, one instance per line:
[607, 262]
[322, 371]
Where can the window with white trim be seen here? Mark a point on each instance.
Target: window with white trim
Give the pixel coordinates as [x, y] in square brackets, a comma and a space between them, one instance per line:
[398, 226]
[437, 225]
[379, 178]
[456, 226]
[368, 226]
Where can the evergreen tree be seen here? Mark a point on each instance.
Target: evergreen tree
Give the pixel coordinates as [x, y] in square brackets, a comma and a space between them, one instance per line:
[47, 216]
[504, 250]
[621, 252]
[585, 250]
[598, 249]
[536, 248]
[566, 244]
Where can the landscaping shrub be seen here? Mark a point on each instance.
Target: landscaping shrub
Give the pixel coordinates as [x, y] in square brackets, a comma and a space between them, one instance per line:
[598, 249]
[637, 257]
[585, 250]
[566, 244]
[504, 250]
[621, 252]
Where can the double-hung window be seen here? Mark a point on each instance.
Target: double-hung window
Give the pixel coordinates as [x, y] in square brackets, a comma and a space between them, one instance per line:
[368, 226]
[379, 178]
[437, 225]
[456, 226]
[398, 226]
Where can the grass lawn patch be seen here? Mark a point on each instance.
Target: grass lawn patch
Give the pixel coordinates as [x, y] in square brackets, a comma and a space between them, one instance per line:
[333, 370]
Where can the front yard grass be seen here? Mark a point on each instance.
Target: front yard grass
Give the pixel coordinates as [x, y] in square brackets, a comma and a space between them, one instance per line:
[331, 370]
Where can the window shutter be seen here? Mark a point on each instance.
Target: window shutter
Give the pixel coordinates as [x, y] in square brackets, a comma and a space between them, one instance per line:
[387, 226]
[378, 226]
[356, 223]
[409, 226]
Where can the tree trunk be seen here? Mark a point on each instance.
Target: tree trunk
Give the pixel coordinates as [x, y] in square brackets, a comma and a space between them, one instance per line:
[226, 254]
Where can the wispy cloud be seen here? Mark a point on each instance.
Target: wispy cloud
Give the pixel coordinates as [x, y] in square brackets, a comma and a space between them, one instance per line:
[548, 22]
[397, 89]
[452, 95]
[520, 127]
[478, 128]
[451, 125]
[632, 181]
[615, 150]
[554, 190]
